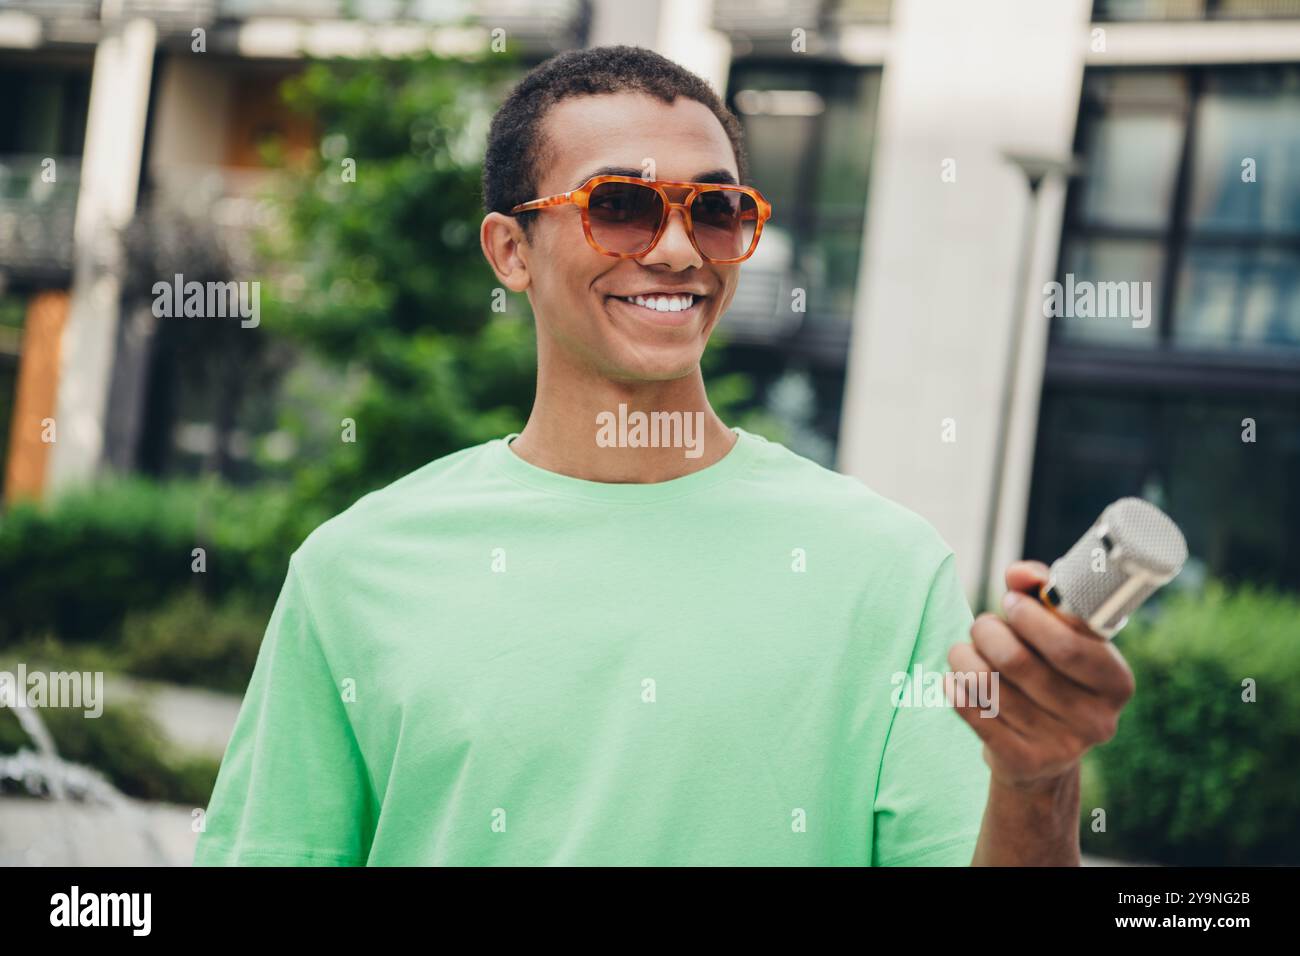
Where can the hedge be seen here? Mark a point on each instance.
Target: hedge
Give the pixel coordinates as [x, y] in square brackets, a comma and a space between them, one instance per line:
[1195, 773]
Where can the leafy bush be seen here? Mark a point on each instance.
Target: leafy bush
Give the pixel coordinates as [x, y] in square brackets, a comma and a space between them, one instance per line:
[1196, 775]
[189, 641]
[74, 569]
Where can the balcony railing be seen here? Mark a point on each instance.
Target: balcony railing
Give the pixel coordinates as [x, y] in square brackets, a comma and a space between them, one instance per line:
[211, 214]
[38, 204]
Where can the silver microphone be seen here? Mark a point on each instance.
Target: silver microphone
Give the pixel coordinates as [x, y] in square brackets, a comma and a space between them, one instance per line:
[1130, 552]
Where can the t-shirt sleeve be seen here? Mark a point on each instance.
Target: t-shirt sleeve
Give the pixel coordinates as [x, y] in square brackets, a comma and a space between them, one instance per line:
[292, 789]
[933, 781]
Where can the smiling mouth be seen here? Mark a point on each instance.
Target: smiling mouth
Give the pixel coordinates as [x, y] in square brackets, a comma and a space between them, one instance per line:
[662, 309]
[661, 303]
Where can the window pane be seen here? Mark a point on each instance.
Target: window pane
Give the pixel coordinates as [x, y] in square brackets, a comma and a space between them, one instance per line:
[1234, 297]
[832, 267]
[1238, 503]
[1091, 450]
[850, 125]
[836, 244]
[776, 140]
[810, 136]
[1097, 312]
[1248, 115]
[1132, 164]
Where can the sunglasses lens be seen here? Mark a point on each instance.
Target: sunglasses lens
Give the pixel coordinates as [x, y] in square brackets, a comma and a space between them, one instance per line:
[725, 221]
[624, 217]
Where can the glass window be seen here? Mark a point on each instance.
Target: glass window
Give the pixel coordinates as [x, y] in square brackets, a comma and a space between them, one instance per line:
[1132, 164]
[1239, 297]
[1220, 224]
[776, 138]
[1163, 199]
[810, 134]
[1110, 292]
[1238, 503]
[1247, 153]
[43, 113]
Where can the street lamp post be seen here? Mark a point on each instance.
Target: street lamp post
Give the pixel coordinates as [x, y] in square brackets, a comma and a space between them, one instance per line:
[1036, 169]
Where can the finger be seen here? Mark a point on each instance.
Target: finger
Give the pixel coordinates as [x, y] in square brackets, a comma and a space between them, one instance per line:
[1073, 708]
[1000, 735]
[1026, 576]
[996, 698]
[1087, 660]
[1012, 730]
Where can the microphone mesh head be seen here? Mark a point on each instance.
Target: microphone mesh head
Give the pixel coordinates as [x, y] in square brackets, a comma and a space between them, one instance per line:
[1147, 535]
[1134, 548]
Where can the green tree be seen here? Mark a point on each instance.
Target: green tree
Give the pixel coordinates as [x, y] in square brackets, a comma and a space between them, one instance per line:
[376, 270]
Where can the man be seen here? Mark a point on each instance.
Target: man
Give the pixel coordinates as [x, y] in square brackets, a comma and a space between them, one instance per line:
[583, 644]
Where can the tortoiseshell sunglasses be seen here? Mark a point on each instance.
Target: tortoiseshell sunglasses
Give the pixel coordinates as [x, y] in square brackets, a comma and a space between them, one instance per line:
[624, 217]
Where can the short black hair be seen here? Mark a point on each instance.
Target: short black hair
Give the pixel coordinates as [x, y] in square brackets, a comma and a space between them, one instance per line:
[515, 144]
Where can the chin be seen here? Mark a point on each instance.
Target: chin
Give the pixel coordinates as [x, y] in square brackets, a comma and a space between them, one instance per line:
[644, 366]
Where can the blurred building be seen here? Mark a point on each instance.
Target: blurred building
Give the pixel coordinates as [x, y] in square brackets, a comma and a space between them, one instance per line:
[893, 140]
[124, 119]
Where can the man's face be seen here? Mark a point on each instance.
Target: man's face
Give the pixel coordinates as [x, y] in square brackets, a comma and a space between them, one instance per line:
[577, 294]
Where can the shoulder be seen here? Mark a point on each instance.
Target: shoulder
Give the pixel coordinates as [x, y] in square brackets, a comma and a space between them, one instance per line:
[383, 518]
[862, 515]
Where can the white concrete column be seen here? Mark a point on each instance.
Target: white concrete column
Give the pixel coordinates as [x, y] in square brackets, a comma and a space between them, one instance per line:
[687, 37]
[617, 21]
[110, 173]
[963, 84]
[681, 30]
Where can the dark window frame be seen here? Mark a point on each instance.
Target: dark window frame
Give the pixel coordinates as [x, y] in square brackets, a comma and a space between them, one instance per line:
[1163, 377]
[1167, 364]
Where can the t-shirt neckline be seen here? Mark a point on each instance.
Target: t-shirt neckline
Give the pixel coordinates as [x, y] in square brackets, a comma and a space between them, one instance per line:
[728, 466]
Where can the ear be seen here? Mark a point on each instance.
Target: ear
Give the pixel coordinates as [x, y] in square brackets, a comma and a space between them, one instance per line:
[502, 239]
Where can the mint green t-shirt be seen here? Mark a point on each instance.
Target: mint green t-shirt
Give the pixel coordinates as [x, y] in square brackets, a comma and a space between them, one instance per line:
[491, 663]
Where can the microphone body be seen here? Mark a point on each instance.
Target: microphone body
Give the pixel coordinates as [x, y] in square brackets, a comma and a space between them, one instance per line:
[1129, 553]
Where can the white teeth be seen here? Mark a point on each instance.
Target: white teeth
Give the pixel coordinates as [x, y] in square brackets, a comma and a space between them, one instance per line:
[662, 303]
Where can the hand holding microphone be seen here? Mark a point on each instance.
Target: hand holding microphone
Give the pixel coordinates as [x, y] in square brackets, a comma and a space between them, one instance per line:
[1061, 682]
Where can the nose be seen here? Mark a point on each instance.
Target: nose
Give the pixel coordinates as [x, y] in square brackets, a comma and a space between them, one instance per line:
[674, 247]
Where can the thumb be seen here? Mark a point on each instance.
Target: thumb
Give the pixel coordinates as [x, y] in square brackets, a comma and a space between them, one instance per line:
[1026, 576]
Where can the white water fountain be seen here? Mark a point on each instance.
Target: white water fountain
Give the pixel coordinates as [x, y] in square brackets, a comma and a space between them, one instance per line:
[57, 813]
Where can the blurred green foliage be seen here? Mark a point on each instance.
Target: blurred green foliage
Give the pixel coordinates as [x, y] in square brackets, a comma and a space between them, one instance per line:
[190, 640]
[380, 275]
[1196, 775]
[75, 568]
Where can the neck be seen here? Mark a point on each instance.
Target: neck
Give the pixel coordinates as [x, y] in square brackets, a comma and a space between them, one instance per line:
[564, 433]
